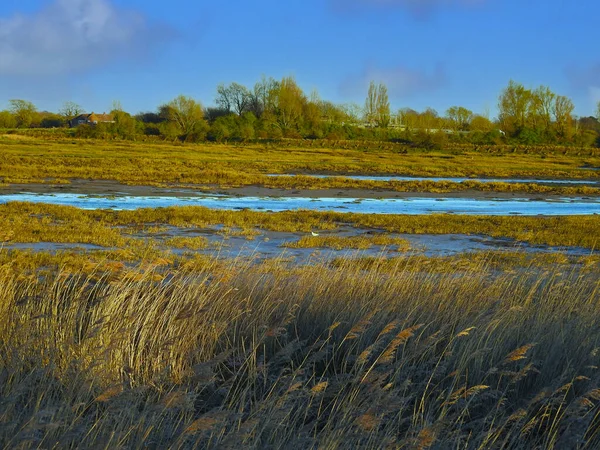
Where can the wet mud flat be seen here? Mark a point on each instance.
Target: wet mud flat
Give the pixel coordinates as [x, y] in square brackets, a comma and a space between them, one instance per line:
[272, 244]
[111, 188]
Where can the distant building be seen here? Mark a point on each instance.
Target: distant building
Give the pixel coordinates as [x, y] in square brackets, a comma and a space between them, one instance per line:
[91, 119]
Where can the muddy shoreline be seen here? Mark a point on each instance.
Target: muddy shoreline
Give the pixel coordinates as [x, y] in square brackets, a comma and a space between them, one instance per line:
[114, 188]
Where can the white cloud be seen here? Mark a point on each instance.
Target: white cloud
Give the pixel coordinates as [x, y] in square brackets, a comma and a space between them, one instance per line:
[73, 35]
[401, 81]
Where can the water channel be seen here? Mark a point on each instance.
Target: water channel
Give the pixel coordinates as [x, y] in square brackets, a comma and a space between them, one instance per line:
[409, 205]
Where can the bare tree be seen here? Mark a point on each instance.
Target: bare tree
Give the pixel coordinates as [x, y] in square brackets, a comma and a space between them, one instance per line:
[70, 110]
[371, 104]
[339, 114]
[383, 106]
[234, 98]
[377, 105]
[264, 96]
[240, 98]
[353, 111]
[223, 99]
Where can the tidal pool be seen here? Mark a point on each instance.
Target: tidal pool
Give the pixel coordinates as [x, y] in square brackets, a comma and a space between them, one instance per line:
[416, 205]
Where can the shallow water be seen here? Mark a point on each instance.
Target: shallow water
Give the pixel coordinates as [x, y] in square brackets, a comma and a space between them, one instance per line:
[454, 179]
[417, 205]
[268, 244]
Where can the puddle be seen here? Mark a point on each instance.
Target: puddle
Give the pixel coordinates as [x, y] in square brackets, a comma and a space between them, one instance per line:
[454, 179]
[416, 205]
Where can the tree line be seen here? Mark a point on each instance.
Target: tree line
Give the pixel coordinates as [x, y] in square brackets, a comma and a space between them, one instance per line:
[276, 109]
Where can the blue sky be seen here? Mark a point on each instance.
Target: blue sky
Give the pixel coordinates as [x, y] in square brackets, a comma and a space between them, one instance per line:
[430, 53]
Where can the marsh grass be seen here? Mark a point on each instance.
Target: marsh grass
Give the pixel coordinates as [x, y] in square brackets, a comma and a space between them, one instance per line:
[237, 354]
[249, 233]
[190, 243]
[361, 242]
[120, 261]
[340, 182]
[38, 160]
[30, 222]
[507, 261]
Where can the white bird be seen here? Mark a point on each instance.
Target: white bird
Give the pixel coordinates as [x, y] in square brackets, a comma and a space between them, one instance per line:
[314, 234]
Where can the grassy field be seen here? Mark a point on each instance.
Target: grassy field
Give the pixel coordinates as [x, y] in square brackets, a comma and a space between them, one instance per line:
[28, 159]
[226, 354]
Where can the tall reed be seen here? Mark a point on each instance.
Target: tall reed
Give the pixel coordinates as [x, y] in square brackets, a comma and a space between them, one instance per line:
[266, 355]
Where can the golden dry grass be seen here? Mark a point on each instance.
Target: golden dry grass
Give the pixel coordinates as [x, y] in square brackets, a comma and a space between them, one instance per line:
[233, 354]
[190, 243]
[39, 160]
[361, 242]
[30, 222]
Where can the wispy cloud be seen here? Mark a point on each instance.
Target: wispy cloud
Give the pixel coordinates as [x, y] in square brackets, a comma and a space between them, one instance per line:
[420, 8]
[70, 36]
[587, 79]
[401, 81]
